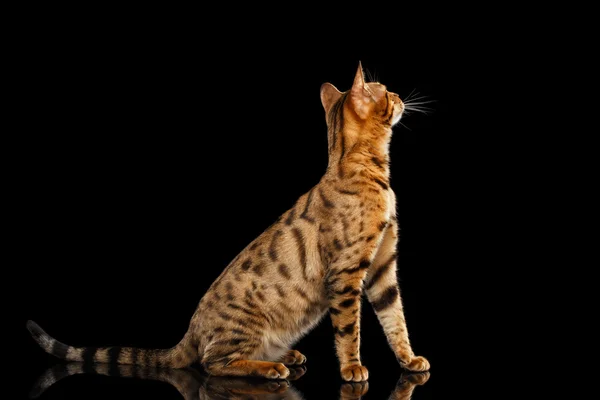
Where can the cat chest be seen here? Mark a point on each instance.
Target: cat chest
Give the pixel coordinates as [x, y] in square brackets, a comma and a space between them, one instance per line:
[356, 217]
[379, 206]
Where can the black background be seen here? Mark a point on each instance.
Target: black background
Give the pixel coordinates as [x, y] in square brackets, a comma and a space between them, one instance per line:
[149, 155]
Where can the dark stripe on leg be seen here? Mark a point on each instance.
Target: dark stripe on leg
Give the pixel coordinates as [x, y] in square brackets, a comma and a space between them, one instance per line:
[380, 272]
[387, 298]
[347, 303]
[346, 290]
[346, 330]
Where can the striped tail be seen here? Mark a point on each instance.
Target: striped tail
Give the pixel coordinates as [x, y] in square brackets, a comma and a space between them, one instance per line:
[187, 381]
[180, 356]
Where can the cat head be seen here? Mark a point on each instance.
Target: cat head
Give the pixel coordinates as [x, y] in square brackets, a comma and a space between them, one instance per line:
[370, 101]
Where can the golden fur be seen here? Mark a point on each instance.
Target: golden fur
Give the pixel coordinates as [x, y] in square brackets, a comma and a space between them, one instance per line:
[337, 242]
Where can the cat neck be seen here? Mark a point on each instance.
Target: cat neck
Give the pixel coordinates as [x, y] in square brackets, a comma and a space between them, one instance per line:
[361, 150]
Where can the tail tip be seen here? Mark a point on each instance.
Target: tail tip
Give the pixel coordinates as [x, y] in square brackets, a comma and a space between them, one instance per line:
[34, 329]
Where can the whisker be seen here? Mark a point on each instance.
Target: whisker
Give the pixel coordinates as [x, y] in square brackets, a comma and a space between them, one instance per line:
[410, 94]
[421, 99]
[418, 110]
[400, 122]
[417, 105]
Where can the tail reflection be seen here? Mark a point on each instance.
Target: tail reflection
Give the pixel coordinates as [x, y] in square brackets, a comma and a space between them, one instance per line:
[191, 384]
[403, 391]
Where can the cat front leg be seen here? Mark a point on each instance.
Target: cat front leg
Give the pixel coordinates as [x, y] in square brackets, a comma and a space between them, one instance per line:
[344, 290]
[383, 292]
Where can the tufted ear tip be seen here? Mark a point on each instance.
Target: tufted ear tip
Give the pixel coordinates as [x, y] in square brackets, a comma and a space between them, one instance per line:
[360, 98]
[359, 78]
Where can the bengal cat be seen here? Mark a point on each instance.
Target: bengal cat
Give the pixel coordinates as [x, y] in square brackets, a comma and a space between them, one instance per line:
[337, 242]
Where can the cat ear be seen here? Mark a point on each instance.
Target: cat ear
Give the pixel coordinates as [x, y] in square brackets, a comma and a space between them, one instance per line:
[329, 96]
[360, 97]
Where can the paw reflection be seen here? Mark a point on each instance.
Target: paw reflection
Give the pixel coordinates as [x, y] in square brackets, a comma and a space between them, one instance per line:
[403, 391]
[351, 391]
[191, 384]
[296, 372]
[407, 384]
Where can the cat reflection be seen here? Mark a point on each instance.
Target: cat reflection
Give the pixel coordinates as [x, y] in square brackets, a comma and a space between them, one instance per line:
[191, 384]
[194, 385]
[403, 391]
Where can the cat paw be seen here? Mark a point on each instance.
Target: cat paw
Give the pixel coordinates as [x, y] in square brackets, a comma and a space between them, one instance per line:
[294, 357]
[417, 364]
[350, 391]
[276, 371]
[355, 373]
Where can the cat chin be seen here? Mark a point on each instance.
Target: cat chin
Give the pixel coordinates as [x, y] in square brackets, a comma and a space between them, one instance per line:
[396, 119]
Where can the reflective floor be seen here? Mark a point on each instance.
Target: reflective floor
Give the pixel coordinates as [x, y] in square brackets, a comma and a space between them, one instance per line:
[77, 381]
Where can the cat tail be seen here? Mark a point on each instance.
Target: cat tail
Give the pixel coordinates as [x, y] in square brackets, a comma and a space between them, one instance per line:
[182, 355]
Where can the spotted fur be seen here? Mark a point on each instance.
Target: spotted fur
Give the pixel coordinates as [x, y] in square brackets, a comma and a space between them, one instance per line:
[336, 243]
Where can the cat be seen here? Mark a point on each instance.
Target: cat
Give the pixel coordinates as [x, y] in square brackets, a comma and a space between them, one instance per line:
[189, 382]
[335, 244]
